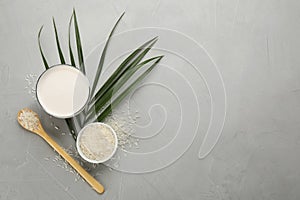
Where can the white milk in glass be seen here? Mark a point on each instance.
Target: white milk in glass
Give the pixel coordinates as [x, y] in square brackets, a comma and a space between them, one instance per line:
[63, 91]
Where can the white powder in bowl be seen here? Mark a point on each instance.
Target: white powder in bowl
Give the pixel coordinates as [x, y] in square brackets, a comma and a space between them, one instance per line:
[97, 142]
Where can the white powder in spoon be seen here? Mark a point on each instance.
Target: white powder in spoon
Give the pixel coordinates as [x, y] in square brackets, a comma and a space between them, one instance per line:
[97, 142]
[28, 119]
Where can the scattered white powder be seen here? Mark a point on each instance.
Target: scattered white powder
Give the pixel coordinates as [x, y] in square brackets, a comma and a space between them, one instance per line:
[29, 119]
[31, 80]
[123, 123]
[62, 163]
[124, 128]
[97, 142]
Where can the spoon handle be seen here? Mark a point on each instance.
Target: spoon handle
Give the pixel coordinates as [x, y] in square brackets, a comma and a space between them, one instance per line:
[91, 180]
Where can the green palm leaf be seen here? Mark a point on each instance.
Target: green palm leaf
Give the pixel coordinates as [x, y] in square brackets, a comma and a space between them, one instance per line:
[69, 39]
[119, 99]
[101, 62]
[40, 48]
[78, 44]
[105, 99]
[134, 58]
[61, 56]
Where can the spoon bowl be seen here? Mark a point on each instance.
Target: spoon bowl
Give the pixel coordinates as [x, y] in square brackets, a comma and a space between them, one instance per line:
[29, 120]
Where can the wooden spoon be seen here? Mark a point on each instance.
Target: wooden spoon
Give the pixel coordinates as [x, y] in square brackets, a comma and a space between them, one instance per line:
[29, 120]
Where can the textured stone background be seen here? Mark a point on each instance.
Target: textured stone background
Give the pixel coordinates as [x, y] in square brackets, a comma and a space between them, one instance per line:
[255, 44]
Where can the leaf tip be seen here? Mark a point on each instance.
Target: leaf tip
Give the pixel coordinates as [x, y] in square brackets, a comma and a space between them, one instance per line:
[40, 30]
[154, 40]
[74, 12]
[160, 57]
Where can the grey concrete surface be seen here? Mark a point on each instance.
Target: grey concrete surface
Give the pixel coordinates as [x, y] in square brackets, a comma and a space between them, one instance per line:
[254, 45]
